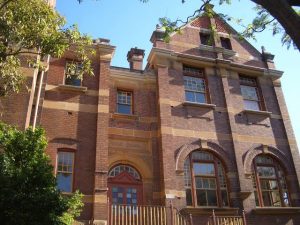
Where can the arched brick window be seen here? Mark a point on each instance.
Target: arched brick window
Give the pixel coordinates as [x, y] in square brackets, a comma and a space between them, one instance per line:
[125, 185]
[205, 181]
[269, 183]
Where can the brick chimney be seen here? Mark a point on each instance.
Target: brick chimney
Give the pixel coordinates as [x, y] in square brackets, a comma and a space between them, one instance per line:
[135, 58]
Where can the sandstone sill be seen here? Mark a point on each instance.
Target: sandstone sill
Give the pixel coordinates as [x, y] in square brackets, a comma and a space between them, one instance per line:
[200, 105]
[265, 113]
[72, 88]
[209, 210]
[124, 116]
[276, 210]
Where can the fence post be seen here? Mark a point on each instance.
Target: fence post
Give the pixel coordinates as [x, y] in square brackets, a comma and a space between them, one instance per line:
[108, 212]
[244, 218]
[191, 219]
[172, 209]
[214, 218]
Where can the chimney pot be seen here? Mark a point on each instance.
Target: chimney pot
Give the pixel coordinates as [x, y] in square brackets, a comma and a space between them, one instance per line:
[135, 58]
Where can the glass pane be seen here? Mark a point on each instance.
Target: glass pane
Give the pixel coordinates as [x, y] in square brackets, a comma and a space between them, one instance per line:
[73, 80]
[286, 198]
[263, 159]
[194, 84]
[124, 109]
[211, 198]
[187, 173]
[188, 193]
[249, 93]
[200, 155]
[251, 105]
[207, 169]
[189, 96]
[256, 198]
[276, 198]
[266, 171]
[201, 197]
[121, 168]
[200, 97]
[266, 198]
[64, 182]
[224, 198]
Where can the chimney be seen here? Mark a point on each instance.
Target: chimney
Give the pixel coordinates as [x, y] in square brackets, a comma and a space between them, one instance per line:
[135, 58]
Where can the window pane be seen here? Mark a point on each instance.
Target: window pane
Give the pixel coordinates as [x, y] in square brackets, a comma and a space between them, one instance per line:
[212, 198]
[249, 93]
[124, 109]
[201, 155]
[189, 96]
[187, 173]
[64, 182]
[276, 198]
[224, 198]
[251, 105]
[266, 171]
[188, 193]
[73, 80]
[266, 198]
[204, 169]
[201, 197]
[285, 198]
[200, 97]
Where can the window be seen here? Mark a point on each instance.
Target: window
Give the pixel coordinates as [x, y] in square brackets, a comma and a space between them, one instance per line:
[72, 73]
[124, 102]
[206, 39]
[64, 173]
[269, 183]
[225, 42]
[205, 181]
[250, 93]
[125, 185]
[194, 85]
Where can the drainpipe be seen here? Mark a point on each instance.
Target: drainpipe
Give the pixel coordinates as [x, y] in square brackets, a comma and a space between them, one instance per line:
[38, 96]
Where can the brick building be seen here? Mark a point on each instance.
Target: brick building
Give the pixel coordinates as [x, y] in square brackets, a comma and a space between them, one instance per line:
[204, 127]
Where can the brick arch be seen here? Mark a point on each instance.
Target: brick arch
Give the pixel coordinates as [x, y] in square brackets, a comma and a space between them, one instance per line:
[269, 150]
[211, 146]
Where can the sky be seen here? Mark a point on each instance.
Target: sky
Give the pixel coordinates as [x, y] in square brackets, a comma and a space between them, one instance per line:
[130, 23]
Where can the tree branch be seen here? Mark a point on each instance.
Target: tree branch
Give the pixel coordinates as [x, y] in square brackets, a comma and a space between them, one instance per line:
[294, 2]
[4, 4]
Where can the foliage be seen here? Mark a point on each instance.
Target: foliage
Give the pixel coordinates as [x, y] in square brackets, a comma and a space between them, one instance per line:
[28, 193]
[32, 27]
[260, 22]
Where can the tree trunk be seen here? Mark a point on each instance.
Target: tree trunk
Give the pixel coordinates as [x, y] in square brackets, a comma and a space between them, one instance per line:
[285, 15]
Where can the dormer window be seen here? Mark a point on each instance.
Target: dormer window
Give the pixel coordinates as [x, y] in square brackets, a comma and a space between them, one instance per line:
[205, 39]
[72, 73]
[225, 42]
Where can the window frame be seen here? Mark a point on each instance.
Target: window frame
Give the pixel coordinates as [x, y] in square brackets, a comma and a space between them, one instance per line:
[218, 189]
[260, 101]
[70, 61]
[73, 167]
[132, 101]
[227, 42]
[206, 36]
[199, 75]
[258, 179]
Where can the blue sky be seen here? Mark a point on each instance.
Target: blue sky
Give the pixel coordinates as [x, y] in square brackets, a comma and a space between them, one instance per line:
[130, 23]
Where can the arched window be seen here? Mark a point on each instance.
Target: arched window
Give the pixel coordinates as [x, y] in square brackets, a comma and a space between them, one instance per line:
[205, 181]
[269, 183]
[125, 185]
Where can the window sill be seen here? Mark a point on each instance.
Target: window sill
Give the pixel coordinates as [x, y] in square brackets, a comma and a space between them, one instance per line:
[276, 210]
[201, 105]
[72, 88]
[124, 116]
[209, 210]
[265, 113]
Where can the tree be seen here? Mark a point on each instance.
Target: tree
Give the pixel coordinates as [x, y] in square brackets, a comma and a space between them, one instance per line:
[32, 27]
[28, 193]
[281, 16]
